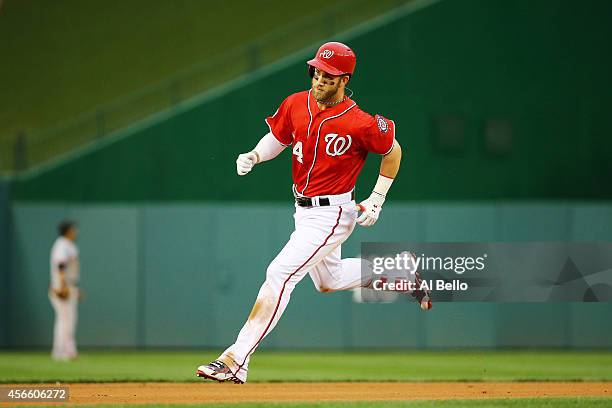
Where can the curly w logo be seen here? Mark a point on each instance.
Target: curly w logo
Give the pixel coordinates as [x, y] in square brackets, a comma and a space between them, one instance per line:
[337, 145]
[327, 54]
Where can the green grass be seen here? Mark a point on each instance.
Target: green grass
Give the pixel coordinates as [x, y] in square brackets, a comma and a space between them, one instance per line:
[96, 366]
[68, 57]
[492, 403]
[331, 366]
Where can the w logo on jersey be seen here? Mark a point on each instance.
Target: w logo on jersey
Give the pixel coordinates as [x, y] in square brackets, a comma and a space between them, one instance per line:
[337, 145]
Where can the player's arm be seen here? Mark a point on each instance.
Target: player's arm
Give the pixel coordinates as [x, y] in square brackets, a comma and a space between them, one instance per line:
[389, 167]
[268, 148]
[63, 291]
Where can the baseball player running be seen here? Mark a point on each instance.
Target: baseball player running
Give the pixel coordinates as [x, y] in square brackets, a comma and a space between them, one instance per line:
[330, 138]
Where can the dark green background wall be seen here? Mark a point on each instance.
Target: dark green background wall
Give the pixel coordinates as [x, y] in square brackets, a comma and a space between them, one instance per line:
[4, 259]
[540, 69]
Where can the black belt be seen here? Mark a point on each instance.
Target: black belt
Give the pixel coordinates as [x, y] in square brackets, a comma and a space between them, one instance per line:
[307, 201]
[323, 201]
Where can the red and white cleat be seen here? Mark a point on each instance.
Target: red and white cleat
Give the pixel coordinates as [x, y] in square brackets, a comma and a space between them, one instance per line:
[218, 371]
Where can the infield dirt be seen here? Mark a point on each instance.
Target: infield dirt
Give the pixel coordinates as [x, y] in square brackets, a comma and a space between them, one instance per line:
[148, 393]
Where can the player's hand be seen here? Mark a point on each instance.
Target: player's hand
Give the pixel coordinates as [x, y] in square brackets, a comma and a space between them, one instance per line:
[63, 293]
[370, 209]
[245, 163]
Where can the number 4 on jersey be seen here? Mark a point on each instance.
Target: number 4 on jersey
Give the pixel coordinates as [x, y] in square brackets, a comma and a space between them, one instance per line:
[297, 150]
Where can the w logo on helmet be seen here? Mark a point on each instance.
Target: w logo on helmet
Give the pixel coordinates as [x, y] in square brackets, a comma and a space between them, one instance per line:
[327, 54]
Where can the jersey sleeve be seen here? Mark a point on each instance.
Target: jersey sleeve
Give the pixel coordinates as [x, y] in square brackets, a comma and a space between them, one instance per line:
[379, 135]
[59, 255]
[280, 123]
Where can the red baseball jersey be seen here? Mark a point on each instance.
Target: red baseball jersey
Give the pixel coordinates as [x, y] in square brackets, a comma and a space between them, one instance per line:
[329, 146]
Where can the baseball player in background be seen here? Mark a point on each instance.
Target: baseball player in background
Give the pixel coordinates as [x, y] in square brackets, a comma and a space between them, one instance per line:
[330, 138]
[63, 291]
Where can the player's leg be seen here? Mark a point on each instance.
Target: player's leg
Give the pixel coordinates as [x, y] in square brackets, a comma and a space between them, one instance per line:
[318, 232]
[334, 274]
[59, 328]
[71, 323]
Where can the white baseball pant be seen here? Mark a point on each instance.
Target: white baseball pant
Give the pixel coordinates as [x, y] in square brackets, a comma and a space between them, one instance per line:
[313, 248]
[66, 314]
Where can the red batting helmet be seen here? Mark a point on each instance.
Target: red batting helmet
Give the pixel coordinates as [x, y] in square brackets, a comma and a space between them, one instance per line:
[334, 58]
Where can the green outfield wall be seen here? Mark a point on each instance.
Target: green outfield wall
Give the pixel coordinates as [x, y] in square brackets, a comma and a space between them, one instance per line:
[187, 275]
[4, 259]
[492, 99]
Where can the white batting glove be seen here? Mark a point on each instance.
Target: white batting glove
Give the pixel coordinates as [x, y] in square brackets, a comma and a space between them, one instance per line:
[370, 208]
[245, 162]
